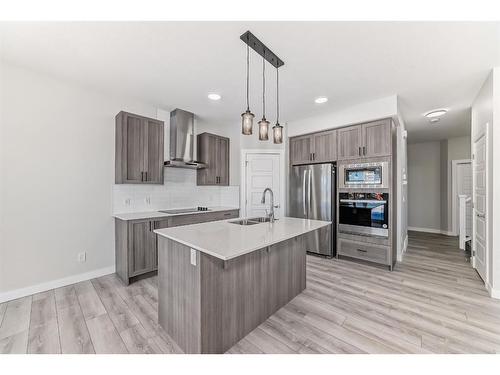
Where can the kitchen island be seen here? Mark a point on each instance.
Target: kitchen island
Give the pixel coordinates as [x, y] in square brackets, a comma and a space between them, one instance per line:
[220, 280]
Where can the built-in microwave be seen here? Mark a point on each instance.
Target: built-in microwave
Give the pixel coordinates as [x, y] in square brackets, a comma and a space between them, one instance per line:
[373, 175]
[364, 213]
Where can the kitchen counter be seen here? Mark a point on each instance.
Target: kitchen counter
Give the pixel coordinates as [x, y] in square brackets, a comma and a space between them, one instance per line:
[159, 215]
[217, 281]
[225, 240]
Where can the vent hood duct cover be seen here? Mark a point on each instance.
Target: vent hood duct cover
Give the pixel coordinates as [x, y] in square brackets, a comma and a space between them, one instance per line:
[182, 141]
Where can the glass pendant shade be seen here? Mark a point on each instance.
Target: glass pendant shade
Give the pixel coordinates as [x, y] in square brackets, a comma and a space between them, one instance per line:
[278, 133]
[247, 122]
[263, 129]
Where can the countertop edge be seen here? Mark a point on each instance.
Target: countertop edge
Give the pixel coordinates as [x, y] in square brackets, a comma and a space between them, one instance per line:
[244, 252]
[158, 215]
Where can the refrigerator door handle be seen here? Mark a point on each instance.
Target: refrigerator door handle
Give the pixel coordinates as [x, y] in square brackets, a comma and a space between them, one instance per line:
[309, 183]
[304, 193]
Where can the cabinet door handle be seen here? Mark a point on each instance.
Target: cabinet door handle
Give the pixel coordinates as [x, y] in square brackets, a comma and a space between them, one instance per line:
[142, 176]
[361, 250]
[314, 156]
[145, 176]
[364, 151]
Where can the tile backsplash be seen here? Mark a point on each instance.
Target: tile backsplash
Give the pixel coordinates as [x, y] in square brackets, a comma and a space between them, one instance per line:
[178, 191]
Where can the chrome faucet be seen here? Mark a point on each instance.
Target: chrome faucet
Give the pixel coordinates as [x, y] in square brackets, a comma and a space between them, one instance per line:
[263, 200]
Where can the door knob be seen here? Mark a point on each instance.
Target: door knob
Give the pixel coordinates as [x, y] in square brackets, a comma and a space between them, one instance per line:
[481, 215]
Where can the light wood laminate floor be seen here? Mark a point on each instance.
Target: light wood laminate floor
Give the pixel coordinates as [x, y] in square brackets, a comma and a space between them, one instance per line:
[433, 302]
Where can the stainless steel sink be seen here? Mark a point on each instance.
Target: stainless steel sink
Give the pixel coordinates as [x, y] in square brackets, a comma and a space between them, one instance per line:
[252, 221]
[263, 219]
[244, 222]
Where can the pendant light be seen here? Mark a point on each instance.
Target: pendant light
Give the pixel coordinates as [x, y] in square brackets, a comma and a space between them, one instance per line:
[277, 129]
[247, 117]
[263, 124]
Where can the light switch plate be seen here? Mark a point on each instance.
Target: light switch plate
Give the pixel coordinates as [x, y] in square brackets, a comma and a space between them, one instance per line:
[193, 257]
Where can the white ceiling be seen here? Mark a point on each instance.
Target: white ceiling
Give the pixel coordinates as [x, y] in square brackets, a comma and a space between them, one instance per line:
[175, 64]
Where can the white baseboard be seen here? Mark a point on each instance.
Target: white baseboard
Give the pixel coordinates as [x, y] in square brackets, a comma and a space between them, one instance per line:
[431, 230]
[43, 287]
[494, 293]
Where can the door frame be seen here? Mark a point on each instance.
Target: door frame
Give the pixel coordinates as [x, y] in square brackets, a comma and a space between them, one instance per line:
[486, 135]
[243, 177]
[454, 206]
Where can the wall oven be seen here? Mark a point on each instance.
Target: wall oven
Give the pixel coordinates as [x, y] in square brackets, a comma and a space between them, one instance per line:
[364, 213]
[373, 175]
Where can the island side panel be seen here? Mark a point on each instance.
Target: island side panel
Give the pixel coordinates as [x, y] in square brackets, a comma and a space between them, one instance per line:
[238, 298]
[179, 294]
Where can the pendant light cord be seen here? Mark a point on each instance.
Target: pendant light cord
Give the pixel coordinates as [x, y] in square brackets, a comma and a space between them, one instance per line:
[264, 86]
[248, 68]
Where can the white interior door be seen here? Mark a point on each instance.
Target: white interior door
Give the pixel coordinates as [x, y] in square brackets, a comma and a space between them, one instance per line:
[462, 179]
[262, 171]
[480, 210]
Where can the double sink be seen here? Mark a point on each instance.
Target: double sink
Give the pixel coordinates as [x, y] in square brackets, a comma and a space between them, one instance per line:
[252, 221]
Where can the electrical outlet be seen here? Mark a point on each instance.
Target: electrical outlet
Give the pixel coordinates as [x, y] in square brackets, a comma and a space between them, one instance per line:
[82, 257]
[148, 200]
[193, 257]
[127, 202]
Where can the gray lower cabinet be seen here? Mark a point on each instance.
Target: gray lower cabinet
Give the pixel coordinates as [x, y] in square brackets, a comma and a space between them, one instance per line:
[213, 150]
[365, 251]
[138, 150]
[136, 243]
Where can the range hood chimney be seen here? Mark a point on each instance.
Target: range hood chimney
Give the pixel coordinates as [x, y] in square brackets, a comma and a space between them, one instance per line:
[182, 141]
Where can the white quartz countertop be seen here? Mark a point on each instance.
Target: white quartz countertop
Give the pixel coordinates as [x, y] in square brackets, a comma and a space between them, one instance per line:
[158, 214]
[225, 240]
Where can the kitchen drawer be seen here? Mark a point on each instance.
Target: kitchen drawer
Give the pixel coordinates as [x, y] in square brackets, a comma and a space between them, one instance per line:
[365, 251]
[176, 221]
[224, 215]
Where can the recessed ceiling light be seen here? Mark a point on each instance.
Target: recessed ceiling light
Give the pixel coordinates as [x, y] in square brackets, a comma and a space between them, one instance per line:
[321, 100]
[436, 113]
[214, 96]
[433, 120]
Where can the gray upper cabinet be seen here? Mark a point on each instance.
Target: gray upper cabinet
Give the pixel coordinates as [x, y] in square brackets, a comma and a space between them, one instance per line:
[301, 150]
[365, 140]
[325, 146]
[213, 150]
[314, 148]
[139, 149]
[377, 138]
[349, 142]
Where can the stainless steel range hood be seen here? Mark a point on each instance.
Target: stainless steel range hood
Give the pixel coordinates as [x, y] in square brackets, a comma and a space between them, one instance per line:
[182, 141]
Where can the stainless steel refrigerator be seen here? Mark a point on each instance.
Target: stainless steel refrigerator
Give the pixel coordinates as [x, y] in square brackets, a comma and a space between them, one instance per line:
[312, 196]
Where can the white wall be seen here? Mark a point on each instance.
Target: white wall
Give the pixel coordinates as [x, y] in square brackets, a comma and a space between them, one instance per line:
[424, 210]
[57, 169]
[495, 223]
[57, 166]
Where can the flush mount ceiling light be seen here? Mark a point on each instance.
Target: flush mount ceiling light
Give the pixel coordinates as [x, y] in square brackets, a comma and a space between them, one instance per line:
[214, 96]
[247, 118]
[434, 120]
[436, 113]
[321, 100]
